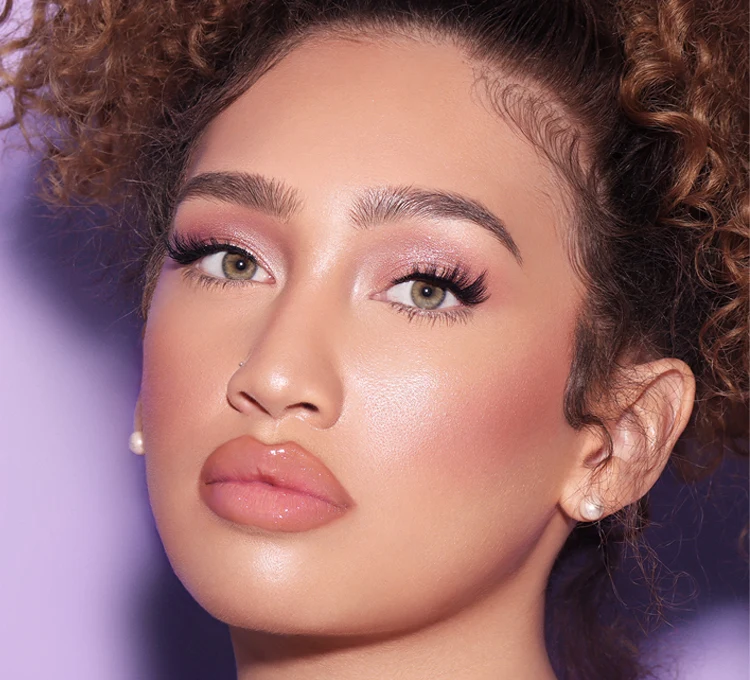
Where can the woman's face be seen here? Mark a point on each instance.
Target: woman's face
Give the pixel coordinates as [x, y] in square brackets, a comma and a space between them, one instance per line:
[352, 169]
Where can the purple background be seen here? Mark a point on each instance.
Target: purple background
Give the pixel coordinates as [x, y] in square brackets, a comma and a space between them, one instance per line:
[85, 590]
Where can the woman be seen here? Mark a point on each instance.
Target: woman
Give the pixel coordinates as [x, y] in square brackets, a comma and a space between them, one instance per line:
[432, 292]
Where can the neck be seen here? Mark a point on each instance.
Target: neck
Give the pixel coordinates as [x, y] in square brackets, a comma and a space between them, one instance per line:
[500, 637]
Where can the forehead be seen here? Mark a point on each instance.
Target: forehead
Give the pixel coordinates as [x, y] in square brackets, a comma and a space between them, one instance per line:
[336, 115]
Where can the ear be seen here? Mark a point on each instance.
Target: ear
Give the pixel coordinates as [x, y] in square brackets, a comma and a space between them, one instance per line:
[649, 410]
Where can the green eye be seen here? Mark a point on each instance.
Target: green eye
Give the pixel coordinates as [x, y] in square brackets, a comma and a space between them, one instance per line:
[427, 295]
[421, 294]
[238, 266]
[233, 266]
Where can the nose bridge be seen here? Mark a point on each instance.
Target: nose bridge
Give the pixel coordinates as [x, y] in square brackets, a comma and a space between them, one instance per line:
[291, 362]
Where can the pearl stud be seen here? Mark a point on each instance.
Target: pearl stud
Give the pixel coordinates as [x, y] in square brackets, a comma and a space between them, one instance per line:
[135, 443]
[591, 511]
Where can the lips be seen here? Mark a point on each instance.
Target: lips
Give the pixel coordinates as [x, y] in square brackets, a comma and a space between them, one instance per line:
[277, 488]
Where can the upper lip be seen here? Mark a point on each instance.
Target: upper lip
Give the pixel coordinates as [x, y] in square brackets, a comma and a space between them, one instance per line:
[287, 465]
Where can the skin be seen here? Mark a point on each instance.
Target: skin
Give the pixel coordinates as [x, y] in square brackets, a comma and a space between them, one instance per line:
[449, 435]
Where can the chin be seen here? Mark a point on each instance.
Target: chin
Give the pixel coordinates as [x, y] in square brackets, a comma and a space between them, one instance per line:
[292, 586]
[282, 584]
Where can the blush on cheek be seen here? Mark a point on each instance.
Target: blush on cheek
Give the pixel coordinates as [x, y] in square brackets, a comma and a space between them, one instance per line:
[512, 407]
[467, 428]
[460, 460]
[511, 445]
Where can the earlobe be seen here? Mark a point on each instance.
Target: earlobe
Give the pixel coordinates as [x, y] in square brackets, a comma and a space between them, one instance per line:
[654, 403]
[137, 418]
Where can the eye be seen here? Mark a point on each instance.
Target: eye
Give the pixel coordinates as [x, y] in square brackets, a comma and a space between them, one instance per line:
[214, 260]
[235, 265]
[437, 292]
[425, 295]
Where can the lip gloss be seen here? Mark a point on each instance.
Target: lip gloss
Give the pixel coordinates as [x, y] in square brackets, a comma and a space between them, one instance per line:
[277, 488]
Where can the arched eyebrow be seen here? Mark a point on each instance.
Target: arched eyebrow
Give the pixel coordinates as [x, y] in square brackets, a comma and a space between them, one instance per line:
[387, 204]
[372, 206]
[246, 189]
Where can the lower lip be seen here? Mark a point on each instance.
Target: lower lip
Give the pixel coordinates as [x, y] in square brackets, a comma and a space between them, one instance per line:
[268, 507]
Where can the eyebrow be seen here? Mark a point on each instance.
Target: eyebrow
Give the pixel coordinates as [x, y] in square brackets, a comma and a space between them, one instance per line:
[249, 190]
[372, 207]
[386, 204]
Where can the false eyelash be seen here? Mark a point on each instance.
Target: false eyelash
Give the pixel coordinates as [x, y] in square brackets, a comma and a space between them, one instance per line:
[186, 250]
[467, 290]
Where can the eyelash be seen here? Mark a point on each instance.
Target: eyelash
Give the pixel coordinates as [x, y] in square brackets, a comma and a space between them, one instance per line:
[455, 279]
[467, 290]
[186, 250]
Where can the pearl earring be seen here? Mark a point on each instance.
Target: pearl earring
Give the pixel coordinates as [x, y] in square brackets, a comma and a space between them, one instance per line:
[135, 443]
[591, 510]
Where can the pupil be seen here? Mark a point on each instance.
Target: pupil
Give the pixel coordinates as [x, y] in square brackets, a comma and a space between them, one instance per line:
[240, 264]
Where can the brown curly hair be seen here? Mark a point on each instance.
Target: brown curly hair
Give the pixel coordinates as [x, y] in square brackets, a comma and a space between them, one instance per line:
[654, 95]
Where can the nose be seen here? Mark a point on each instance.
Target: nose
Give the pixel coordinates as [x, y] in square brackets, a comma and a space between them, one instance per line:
[291, 370]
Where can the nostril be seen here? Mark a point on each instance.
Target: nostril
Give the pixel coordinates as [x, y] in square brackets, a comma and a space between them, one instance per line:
[244, 400]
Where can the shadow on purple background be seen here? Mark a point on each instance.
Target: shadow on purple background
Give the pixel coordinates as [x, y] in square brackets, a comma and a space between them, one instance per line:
[136, 620]
[167, 635]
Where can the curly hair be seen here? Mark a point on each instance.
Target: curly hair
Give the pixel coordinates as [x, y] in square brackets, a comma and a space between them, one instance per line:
[653, 95]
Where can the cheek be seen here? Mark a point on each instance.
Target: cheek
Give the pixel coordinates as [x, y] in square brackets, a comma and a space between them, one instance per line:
[186, 368]
[191, 349]
[478, 415]
[462, 462]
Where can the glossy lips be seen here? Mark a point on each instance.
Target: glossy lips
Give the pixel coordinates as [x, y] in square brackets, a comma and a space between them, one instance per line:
[276, 488]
